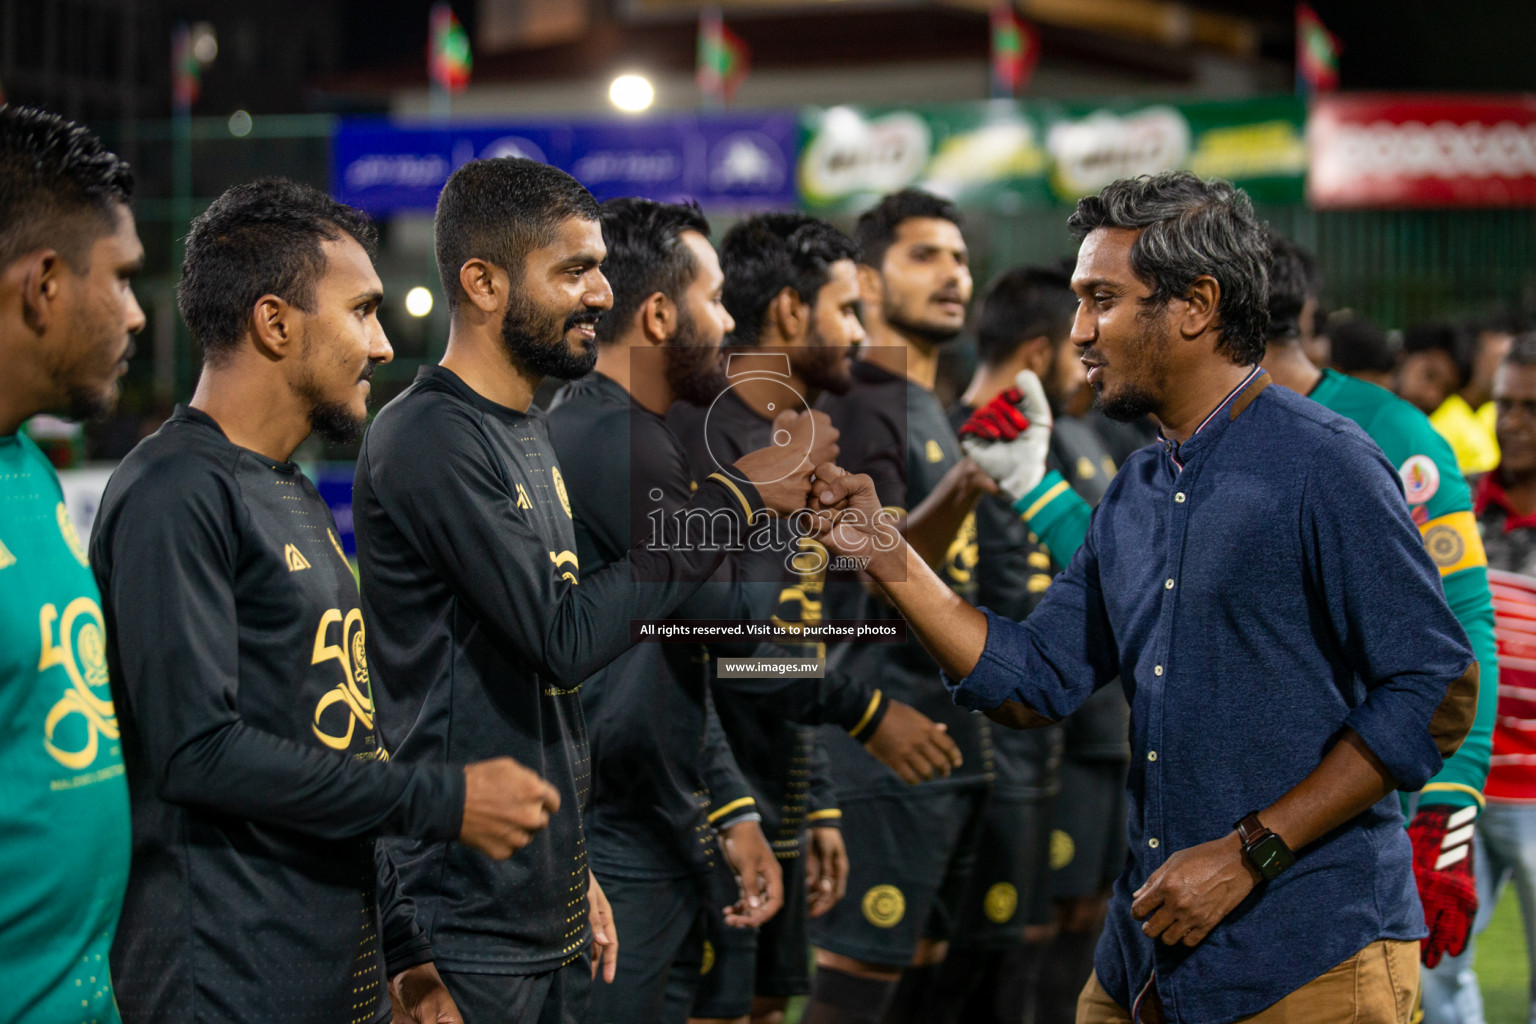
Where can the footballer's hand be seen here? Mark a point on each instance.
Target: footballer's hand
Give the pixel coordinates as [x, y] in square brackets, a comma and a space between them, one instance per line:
[1010, 436]
[849, 521]
[504, 805]
[417, 995]
[1193, 890]
[759, 879]
[782, 471]
[605, 937]
[912, 745]
[1442, 866]
[826, 869]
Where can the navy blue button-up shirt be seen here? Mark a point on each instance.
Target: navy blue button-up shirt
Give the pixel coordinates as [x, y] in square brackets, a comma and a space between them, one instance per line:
[1258, 589]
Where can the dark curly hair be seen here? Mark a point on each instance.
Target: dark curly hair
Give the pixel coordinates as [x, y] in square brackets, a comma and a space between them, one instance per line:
[259, 239]
[646, 255]
[1188, 227]
[60, 188]
[1023, 303]
[765, 254]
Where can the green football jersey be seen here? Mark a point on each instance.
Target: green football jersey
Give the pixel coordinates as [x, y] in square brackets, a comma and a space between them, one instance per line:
[1441, 504]
[64, 827]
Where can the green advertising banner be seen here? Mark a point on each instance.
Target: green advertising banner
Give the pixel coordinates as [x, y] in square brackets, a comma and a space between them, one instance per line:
[1009, 154]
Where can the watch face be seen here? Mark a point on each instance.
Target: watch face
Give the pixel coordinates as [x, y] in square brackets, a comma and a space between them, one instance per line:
[1271, 856]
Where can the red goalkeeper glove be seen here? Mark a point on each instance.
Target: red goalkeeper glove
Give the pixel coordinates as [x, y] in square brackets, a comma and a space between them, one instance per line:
[1442, 865]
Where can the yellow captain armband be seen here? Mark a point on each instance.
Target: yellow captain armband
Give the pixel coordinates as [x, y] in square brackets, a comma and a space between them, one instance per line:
[1453, 542]
[830, 814]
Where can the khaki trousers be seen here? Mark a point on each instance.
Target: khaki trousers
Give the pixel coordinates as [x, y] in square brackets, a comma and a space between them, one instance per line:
[1378, 985]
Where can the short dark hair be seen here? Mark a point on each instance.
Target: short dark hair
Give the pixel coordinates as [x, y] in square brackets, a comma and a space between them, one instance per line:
[500, 210]
[1023, 303]
[763, 255]
[1188, 227]
[59, 186]
[259, 239]
[876, 229]
[646, 255]
[1356, 345]
[1293, 279]
[1523, 351]
[1456, 340]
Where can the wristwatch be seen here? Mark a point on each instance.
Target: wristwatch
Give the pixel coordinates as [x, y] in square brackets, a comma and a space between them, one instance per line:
[1265, 850]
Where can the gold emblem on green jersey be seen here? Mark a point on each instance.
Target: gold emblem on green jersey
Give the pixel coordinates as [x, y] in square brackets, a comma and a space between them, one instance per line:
[6, 558]
[71, 538]
[81, 650]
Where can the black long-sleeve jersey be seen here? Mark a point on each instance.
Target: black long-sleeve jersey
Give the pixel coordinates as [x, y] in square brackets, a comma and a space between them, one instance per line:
[482, 636]
[660, 778]
[781, 759]
[655, 763]
[895, 431]
[257, 779]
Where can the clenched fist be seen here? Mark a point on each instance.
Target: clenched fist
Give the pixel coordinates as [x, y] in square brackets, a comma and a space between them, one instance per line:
[504, 805]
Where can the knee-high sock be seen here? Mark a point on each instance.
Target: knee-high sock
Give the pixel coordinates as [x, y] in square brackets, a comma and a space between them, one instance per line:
[840, 998]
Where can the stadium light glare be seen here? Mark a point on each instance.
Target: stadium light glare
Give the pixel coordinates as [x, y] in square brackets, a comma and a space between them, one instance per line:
[418, 301]
[632, 93]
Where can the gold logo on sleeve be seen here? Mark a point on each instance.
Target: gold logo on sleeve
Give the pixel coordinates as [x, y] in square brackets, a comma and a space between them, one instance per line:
[522, 498]
[81, 650]
[354, 693]
[295, 558]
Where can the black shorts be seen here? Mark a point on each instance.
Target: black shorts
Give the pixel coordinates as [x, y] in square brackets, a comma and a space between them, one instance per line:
[740, 963]
[661, 950]
[554, 997]
[1088, 847]
[1003, 891]
[910, 854]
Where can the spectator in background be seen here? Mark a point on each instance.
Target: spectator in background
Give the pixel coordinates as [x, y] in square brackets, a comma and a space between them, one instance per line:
[1439, 368]
[1360, 349]
[1506, 515]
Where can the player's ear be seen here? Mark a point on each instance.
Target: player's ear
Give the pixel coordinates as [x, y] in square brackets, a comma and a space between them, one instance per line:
[274, 326]
[1200, 307]
[871, 288]
[485, 285]
[789, 314]
[658, 318]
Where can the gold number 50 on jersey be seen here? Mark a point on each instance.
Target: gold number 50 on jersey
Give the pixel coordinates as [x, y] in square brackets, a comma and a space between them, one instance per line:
[81, 650]
[353, 693]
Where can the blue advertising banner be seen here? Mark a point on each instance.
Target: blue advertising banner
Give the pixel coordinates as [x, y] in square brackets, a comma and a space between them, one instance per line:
[737, 160]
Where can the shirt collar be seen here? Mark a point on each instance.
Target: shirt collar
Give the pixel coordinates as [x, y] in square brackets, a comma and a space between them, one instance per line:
[1490, 491]
[1216, 421]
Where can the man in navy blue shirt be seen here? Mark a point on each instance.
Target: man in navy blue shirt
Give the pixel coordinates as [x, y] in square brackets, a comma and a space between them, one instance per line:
[1258, 586]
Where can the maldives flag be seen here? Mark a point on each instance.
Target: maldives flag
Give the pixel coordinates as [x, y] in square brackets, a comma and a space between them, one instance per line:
[1317, 53]
[1015, 51]
[722, 58]
[448, 58]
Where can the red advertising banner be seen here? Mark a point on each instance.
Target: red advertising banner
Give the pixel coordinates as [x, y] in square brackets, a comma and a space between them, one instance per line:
[1422, 150]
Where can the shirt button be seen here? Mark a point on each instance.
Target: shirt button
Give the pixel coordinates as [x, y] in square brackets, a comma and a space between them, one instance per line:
[1152, 843]
[1151, 755]
[1157, 670]
[1179, 498]
[1168, 585]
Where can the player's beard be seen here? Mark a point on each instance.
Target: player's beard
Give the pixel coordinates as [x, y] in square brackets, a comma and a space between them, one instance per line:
[333, 421]
[693, 366]
[824, 368]
[536, 340]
